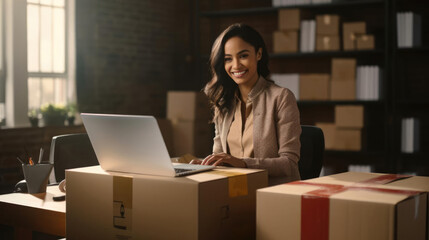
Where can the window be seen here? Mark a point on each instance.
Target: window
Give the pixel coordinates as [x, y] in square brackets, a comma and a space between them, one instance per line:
[46, 52]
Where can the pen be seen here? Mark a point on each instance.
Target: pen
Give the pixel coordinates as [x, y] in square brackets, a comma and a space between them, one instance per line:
[40, 155]
[19, 159]
[30, 160]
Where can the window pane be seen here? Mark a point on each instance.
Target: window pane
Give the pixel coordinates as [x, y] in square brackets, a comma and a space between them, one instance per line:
[32, 1]
[58, 3]
[47, 91]
[46, 39]
[34, 93]
[60, 91]
[33, 36]
[59, 40]
[47, 2]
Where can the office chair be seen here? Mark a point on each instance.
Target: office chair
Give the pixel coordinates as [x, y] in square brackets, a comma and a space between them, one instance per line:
[312, 150]
[70, 151]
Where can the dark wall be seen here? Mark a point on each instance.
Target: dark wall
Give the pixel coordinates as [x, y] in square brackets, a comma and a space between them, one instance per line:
[130, 52]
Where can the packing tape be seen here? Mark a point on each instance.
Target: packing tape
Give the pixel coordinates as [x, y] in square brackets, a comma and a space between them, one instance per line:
[122, 202]
[315, 206]
[237, 182]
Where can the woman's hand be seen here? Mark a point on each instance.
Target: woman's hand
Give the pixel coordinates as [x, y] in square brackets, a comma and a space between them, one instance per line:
[220, 159]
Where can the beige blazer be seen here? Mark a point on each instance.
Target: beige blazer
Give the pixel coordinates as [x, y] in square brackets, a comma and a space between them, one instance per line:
[276, 132]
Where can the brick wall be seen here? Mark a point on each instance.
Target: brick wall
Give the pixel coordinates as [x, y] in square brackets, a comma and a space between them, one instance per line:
[130, 52]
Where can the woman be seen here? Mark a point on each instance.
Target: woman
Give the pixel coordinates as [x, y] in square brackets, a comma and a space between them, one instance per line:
[257, 122]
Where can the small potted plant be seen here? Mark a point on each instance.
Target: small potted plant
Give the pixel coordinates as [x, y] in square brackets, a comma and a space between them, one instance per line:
[54, 114]
[33, 116]
[71, 113]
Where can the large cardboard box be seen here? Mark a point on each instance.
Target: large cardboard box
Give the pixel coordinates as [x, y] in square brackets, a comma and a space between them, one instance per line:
[343, 90]
[289, 19]
[350, 32]
[390, 181]
[329, 132]
[340, 207]
[314, 86]
[349, 116]
[187, 105]
[343, 69]
[348, 139]
[327, 43]
[192, 137]
[219, 204]
[327, 24]
[365, 42]
[285, 41]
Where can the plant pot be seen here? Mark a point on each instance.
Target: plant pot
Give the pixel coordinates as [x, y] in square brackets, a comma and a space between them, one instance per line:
[70, 120]
[34, 121]
[54, 120]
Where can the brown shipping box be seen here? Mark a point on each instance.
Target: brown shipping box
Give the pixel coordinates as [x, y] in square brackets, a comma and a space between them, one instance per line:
[349, 116]
[343, 69]
[327, 43]
[365, 42]
[327, 24]
[187, 105]
[289, 19]
[391, 181]
[314, 86]
[343, 90]
[329, 132]
[348, 139]
[218, 204]
[350, 32]
[192, 137]
[285, 41]
[342, 206]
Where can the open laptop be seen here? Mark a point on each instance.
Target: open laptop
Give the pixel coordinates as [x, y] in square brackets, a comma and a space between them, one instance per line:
[132, 144]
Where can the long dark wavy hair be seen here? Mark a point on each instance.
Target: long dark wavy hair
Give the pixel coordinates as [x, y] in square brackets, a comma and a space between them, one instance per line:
[221, 89]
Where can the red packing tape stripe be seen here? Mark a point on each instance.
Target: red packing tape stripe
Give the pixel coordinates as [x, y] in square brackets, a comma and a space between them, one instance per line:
[315, 207]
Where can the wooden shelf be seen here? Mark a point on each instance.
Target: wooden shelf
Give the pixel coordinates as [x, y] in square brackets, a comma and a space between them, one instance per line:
[270, 10]
[310, 102]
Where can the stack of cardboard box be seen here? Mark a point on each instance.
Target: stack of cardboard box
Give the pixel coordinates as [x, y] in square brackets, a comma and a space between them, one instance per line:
[286, 37]
[355, 37]
[314, 86]
[189, 115]
[343, 81]
[327, 38]
[346, 132]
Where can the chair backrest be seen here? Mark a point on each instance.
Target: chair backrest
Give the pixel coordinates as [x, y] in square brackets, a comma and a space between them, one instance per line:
[70, 151]
[312, 150]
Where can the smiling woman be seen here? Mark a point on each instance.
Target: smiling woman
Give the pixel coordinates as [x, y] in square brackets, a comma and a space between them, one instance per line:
[257, 122]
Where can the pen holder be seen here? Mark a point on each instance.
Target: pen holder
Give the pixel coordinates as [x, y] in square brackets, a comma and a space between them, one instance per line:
[37, 177]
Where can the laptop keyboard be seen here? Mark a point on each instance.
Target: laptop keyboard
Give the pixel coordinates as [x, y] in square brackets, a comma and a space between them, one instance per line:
[181, 170]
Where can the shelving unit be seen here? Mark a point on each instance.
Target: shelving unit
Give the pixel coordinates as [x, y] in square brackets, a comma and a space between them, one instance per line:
[381, 146]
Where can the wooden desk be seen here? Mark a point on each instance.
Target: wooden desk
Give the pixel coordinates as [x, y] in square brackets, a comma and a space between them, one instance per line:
[34, 212]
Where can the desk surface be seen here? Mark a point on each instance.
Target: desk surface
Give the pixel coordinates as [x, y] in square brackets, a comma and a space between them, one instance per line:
[34, 212]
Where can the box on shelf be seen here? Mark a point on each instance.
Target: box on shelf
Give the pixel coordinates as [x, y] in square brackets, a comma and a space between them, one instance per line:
[187, 105]
[193, 137]
[348, 139]
[327, 24]
[290, 81]
[329, 132]
[218, 204]
[327, 43]
[314, 86]
[289, 19]
[342, 206]
[365, 42]
[285, 41]
[350, 32]
[348, 116]
[343, 69]
[343, 90]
